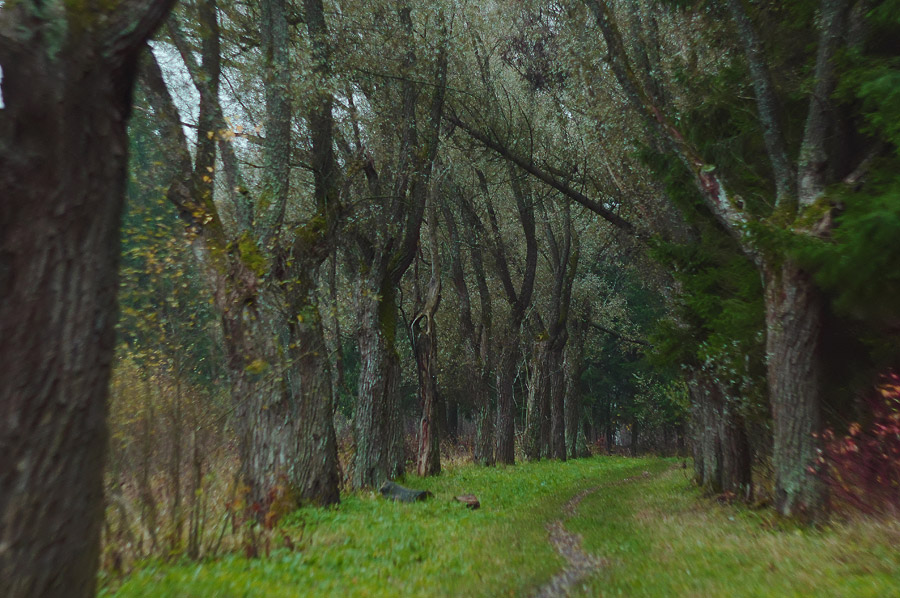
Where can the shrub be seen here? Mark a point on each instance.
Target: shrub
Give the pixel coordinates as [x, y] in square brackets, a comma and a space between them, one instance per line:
[862, 468]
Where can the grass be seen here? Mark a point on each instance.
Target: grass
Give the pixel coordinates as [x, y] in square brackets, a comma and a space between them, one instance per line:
[657, 535]
[372, 547]
[662, 540]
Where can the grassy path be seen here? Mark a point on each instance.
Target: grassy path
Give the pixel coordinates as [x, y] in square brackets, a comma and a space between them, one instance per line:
[655, 537]
[661, 540]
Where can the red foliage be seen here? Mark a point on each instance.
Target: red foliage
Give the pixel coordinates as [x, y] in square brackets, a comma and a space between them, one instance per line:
[862, 468]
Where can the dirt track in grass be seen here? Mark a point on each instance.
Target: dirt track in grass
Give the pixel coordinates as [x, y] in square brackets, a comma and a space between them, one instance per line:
[579, 564]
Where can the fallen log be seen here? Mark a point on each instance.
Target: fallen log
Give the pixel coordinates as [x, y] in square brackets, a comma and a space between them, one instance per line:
[399, 493]
[470, 500]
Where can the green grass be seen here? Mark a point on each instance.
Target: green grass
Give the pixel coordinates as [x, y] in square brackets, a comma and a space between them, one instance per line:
[657, 535]
[372, 547]
[662, 540]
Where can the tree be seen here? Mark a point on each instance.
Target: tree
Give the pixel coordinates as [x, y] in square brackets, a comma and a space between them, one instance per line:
[68, 72]
[424, 336]
[545, 431]
[262, 271]
[794, 305]
[396, 172]
[477, 340]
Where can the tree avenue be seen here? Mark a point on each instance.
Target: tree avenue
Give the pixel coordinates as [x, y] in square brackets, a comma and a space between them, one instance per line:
[406, 233]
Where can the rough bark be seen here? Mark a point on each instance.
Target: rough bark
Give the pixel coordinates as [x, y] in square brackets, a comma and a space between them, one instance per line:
[812, 171]
[63, 161]
[283, 402]
[794, 310]
[272, 200]
[726, 209]
[376, 421]
[536, 434]
[519, 302]
[557, 396]
[315, 463]
[545, 420]
[767, 104]
[384, 256]
[505, 446]
[574, 365]
[722, 454]
[428, 457]
[273, 334]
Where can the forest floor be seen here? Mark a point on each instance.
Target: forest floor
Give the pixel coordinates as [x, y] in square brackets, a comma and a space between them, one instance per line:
[604, 526]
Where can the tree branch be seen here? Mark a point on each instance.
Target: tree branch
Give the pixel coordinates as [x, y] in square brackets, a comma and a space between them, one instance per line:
[544, 176]
[618, 335]
[766, 104]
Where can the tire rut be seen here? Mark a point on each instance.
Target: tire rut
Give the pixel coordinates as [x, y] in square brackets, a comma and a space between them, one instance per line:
[579, 564]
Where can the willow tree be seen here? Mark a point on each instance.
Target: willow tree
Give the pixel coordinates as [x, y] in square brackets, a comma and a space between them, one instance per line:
[392, 146]
[508, 338]
[261, 268]
[425, 346]
[477, 337]
[795, 307]
[545, 426]
[68, 73]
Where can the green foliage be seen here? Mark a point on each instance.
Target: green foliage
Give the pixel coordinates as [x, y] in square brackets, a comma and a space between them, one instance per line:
[723, 126]
[720, 318]
[250, 254]
[621, 386]
[166, 317]
[871, 77]
[859, 263]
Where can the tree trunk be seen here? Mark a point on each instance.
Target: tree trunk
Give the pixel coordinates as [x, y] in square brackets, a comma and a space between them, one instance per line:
[505, 451]
[315, 476]
[484, 425]
[609, 426]
[702, 439]
[428, 458]
[537, 415]
[794, 320]
[635, 436]
[281, 390]
[452, 419]
[557, 399]
[63, 161]
[273, 335]
[378, 431]
[477, 340]
[735, 453]
[576, 441]
[722, 455]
